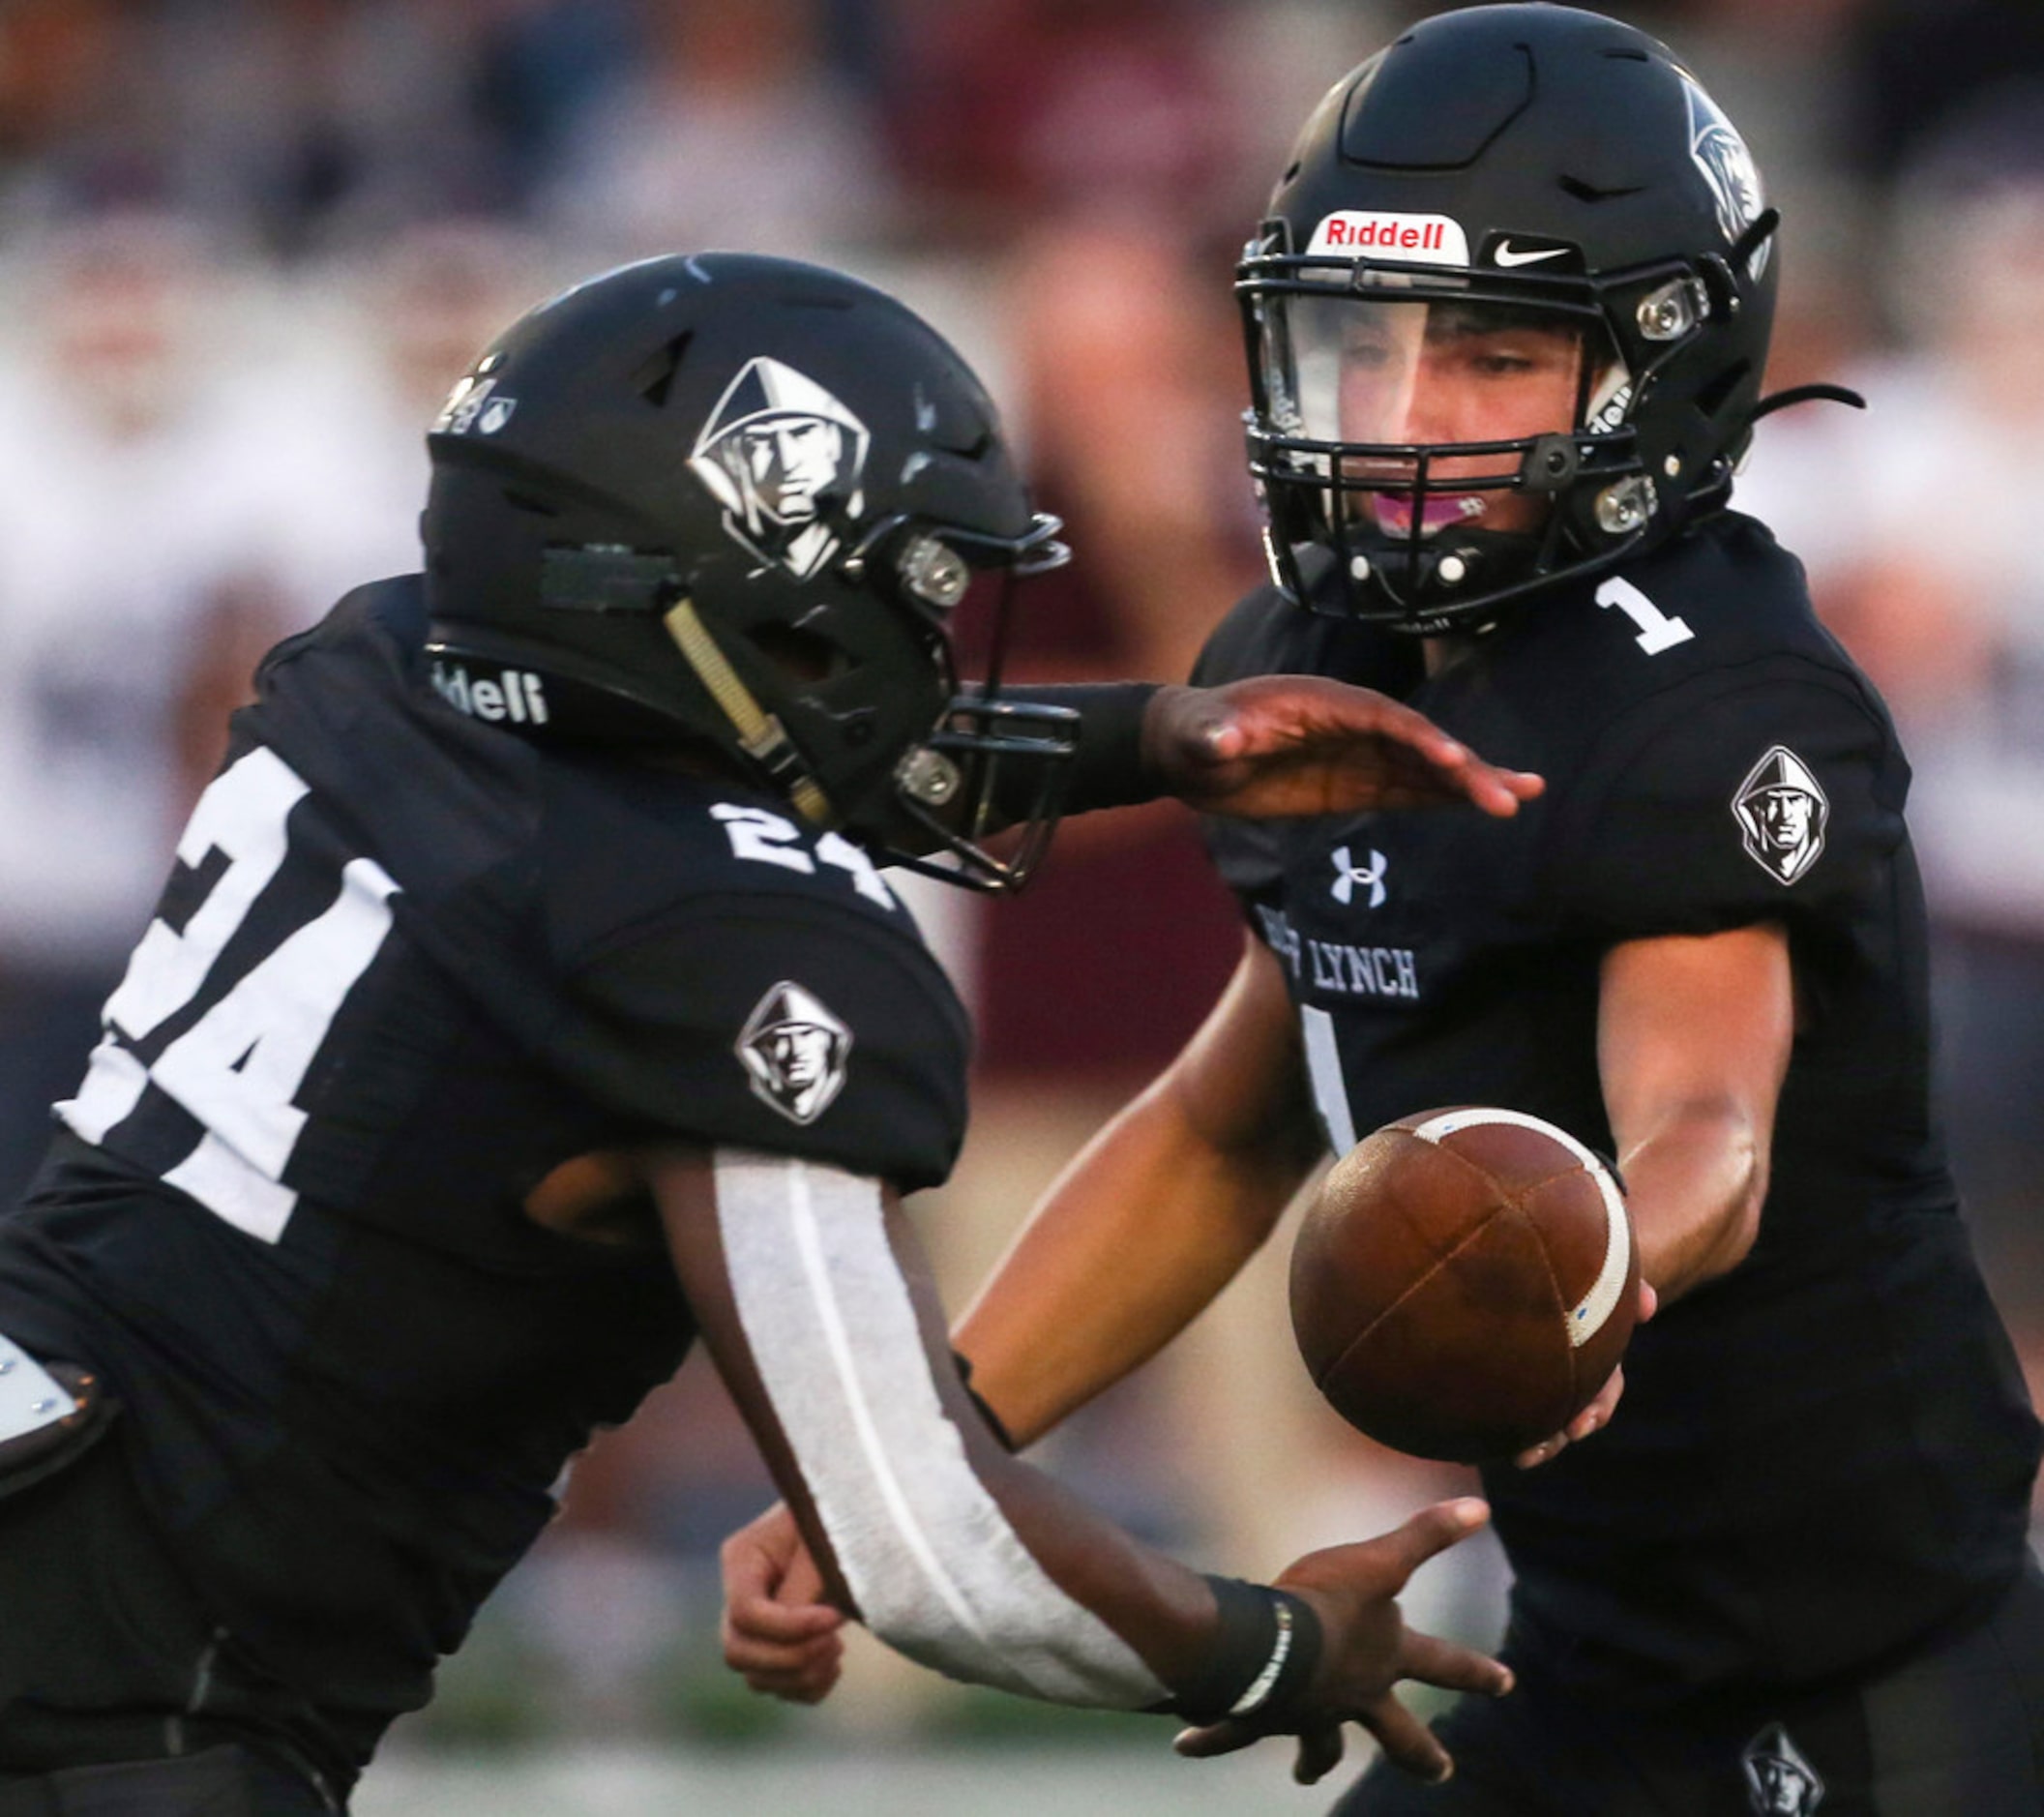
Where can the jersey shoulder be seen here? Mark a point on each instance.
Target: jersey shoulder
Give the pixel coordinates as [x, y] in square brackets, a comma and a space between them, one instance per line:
[1740, 765]
[1717, 599]
[730, 974]
[674, 948]
[1267, 634]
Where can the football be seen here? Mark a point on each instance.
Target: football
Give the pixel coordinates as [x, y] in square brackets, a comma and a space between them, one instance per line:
[1463, 1282]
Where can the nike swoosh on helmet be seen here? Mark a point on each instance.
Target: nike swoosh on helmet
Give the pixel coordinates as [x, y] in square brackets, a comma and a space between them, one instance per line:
[1506, 254]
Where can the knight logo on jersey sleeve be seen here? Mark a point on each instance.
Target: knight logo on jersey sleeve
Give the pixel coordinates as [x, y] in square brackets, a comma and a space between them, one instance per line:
[795, 1051]
[1782, 815]
[1780, 1782]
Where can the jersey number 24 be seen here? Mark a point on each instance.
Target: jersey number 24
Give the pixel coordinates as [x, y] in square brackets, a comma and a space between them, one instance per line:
[237, 1065]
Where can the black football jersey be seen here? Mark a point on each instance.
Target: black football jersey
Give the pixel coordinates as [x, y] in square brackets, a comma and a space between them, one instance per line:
[1828, 1449]
[409, 961]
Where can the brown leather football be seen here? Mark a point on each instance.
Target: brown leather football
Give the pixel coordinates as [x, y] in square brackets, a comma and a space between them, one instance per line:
[1464, 1282]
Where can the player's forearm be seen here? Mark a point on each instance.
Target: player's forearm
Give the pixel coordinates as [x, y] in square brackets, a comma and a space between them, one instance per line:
[1695, 1183]
[1160, 1608]
[1136, 1238]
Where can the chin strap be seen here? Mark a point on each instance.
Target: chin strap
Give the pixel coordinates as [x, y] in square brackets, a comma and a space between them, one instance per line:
[761, 735]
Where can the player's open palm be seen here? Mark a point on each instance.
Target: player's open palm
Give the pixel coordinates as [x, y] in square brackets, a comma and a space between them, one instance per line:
[1277, 745]
[1365, 1650]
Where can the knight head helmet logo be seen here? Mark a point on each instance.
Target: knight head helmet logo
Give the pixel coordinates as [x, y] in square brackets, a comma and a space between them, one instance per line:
[1728, 168]
[1781, 1782]
[1782, 815]
[776, 449]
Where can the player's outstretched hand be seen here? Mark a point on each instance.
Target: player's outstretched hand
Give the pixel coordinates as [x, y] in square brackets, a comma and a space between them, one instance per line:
[779, 1633]
[1365, 1650]
[1279, 745]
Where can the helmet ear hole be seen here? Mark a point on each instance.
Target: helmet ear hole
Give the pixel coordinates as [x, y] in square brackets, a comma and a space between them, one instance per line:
[806, 656]
[1713, 396]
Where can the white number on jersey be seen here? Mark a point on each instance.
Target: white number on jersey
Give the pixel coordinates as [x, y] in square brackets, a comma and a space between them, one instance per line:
[767, 838]
[1330, 1089]
[239, 1066]
[1657, 630]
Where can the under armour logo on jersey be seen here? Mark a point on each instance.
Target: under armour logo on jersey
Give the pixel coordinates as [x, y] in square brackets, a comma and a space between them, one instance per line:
[1781, 1782]
[1782, 815]
[775, 450]
[1350, 876]
[795, 1051]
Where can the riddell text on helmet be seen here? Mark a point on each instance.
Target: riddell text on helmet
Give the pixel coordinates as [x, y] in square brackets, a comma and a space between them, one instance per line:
[1418, 239]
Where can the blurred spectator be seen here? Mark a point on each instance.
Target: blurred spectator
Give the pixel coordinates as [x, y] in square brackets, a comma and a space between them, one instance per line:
[296, 120]
[379, 336]
[1922, 559]
[733, 130]
[1125, 392]
[1014, 109]
[131, 609]
[1916, 66]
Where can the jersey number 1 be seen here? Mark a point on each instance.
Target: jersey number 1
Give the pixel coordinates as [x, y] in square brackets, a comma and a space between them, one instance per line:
[1657, 630]
[239, 1065]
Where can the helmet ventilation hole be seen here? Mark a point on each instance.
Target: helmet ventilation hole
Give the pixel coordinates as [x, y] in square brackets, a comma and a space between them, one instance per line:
[656, 377]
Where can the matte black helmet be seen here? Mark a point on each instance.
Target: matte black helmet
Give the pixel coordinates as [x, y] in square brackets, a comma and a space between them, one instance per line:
[732, 501]
[1528, 168]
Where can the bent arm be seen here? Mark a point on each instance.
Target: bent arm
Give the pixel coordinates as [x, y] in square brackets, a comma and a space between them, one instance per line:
[1693, 1041]
[1156, 1214]
[817, 1304]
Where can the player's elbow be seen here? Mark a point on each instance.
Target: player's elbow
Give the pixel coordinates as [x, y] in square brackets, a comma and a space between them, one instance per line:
[1700, 1186]
[1744, 1146]
[1742, 1226]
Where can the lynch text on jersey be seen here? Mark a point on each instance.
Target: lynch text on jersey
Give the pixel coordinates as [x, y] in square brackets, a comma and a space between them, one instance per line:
[1336, 965]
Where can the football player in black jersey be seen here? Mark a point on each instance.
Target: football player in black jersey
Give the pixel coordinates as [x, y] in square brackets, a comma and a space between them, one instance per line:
[1507, 322]
[529, 999]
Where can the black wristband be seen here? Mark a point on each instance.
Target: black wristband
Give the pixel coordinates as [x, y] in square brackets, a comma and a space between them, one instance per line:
[1266, 1643]
[987, 1414]
[1107, 770]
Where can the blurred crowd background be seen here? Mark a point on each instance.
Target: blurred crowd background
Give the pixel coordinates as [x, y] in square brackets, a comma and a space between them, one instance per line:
[246, 245]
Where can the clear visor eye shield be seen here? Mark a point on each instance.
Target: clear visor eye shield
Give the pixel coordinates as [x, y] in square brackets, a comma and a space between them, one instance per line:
[1413, 433]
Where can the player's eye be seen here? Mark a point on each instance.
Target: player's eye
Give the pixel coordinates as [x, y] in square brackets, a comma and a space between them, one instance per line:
[1367, 354]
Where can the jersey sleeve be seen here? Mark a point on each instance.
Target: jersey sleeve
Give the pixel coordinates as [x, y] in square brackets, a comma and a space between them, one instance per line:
[772, 1022]
[1761, 794]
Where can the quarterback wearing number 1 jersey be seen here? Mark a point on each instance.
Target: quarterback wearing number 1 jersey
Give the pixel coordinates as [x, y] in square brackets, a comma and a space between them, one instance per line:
[1733, 768]
[1507, 315]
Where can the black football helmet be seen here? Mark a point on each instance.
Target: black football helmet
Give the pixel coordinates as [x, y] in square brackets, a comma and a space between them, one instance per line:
[1534, 167]
[732, 501]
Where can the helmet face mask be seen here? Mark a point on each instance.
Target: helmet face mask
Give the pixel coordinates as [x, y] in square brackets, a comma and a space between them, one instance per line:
[730, 503]
[1523, 181]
